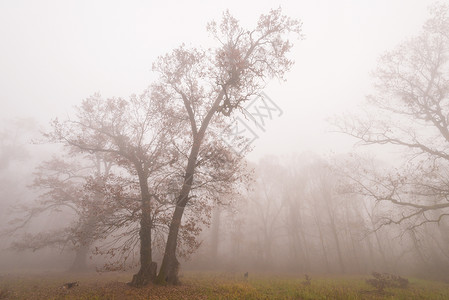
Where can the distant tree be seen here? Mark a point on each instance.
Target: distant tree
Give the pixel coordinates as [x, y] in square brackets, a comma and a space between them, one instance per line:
[12, 143]
[64, 187]
[267, 202]
[204, 85]
[410, 109]
[13, 150]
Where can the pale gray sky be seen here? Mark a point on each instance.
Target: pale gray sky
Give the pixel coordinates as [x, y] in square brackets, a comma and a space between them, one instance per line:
[55, 53]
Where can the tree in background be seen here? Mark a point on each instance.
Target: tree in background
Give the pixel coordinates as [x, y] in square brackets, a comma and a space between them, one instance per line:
[410, 110]
[295, 218]
[304, 215]
[205, 85]
[267, 203]
[64, 185]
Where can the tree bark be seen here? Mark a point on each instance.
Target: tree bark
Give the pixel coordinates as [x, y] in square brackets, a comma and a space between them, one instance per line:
[170, 265]
[147, 272]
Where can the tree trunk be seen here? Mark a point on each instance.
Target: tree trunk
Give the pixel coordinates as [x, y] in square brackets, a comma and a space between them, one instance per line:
[214, 235]
[86, 240]
[305, 248]
[147, 272]
[323, 246]
[349, 216]
[148, 268]
[334, 232]
[376, 235]
[371, 261]
[417, 248]
[170, 265]
[296, 231]
[337, 244]
[80, 262]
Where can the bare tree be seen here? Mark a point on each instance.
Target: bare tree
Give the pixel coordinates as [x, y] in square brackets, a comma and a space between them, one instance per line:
[135, 136]
[410, 110]
[294, 193]
[204, 85]
[63, 184]
[267, 204]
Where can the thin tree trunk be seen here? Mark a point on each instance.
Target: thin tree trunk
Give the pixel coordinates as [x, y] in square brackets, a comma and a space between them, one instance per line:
[417, 248]
[380, 247]
[300, 239]
[305, 249]
[337, 243]
[215, 233]
[331, 214]
[323, 246]
[335, 234]
[376, 235]
[371, 261]
[351, 237]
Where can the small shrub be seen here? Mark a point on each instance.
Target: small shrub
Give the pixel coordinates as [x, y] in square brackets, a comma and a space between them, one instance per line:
[308, 281]
[385, 280]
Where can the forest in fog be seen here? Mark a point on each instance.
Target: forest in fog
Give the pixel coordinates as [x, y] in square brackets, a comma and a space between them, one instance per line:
[163, 181]
[304, 216]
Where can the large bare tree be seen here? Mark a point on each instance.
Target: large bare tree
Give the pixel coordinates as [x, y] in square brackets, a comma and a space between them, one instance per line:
[204, 85]
[136, 137]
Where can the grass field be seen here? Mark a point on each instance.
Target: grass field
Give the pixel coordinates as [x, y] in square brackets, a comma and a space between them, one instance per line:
[208, 285]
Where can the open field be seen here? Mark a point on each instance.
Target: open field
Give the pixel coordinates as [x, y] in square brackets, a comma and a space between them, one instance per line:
[207, 285]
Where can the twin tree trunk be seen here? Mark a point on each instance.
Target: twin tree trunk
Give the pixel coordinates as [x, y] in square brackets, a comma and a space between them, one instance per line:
[168, 272]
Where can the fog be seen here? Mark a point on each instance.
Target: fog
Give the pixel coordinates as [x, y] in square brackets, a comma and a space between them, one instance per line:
[317, 191]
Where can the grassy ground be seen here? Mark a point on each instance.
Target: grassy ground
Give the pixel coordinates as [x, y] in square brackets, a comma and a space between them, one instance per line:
[211, 286]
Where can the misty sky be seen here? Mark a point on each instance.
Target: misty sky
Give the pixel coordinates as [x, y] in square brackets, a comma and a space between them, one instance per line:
[53, 54]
